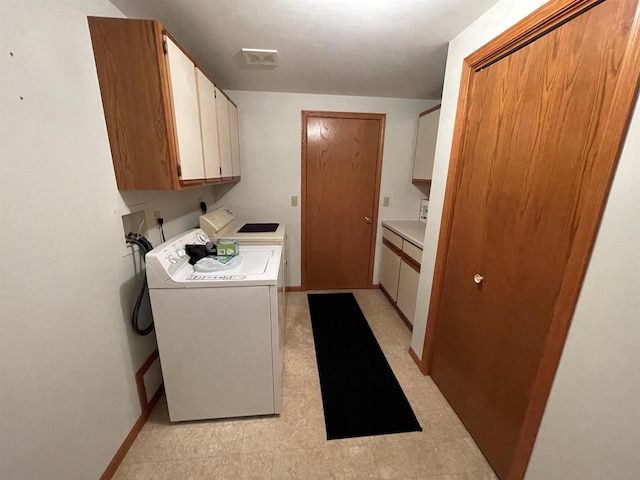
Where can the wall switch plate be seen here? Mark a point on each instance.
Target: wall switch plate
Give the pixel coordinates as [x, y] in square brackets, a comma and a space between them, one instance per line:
[385, 201]
[294, 201]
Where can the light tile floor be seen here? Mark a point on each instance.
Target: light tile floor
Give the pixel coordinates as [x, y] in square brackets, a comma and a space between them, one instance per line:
[293, 445]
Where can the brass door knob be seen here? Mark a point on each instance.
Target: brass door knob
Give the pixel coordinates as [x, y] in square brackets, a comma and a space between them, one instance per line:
[367, 219]
[477, 278]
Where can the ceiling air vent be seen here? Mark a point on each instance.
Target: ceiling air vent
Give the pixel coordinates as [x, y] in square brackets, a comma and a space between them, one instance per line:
[256, 56]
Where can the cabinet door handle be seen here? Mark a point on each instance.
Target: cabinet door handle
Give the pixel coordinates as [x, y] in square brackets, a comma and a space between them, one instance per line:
[367, 219]
[477, 278]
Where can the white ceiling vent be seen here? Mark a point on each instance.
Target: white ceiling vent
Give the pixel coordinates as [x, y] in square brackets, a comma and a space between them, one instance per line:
[256, 56]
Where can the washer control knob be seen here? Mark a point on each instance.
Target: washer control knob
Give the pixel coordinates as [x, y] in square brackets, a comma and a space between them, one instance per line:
[172, 259]
[202, 237]
[181, 252]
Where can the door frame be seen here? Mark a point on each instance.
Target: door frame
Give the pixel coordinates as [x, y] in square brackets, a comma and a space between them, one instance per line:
[542, 21]
[306, 114]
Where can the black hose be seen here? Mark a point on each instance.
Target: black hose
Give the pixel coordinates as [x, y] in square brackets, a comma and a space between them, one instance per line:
[144, 247]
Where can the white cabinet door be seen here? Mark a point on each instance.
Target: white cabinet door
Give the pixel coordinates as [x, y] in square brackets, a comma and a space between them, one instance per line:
[184, 96]
[208, 125]
[426, 145]
[224, 134]
[407, 290]
[389, 271]
[235, 139]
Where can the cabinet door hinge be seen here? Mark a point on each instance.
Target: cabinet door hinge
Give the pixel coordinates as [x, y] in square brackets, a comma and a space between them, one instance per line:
[164, 46]
[215, 94]
[179, 170]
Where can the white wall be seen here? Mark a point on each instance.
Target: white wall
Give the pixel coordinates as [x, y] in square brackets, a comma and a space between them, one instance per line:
[590, 427]
[68, 355]
[270, 145]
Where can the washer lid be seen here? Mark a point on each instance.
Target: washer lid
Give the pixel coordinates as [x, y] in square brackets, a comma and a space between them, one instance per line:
[260, 266]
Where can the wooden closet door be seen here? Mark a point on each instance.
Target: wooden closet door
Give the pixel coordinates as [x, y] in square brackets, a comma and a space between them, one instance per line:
[532, 180]
[341, 169]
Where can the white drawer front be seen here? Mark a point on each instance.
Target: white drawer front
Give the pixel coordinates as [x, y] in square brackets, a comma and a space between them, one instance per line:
[392, 237]
[414, 252]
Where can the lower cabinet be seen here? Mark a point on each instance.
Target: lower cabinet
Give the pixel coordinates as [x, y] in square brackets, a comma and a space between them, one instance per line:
[389, 271]
[399, 275]
[407, 290]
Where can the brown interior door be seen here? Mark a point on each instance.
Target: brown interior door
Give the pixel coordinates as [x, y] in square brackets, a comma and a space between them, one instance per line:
[532, 181]
[341, 165]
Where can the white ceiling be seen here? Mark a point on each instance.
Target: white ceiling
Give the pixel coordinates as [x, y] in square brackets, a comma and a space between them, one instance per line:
[380, 48]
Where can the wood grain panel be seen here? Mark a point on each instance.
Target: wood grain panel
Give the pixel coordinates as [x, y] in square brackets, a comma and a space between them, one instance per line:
[342, 155]
[537, 138]
[548, 17]
[133, 84]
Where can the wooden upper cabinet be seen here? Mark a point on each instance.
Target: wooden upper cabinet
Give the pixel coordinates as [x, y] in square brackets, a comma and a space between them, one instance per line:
[224, 134]
[426, 145]
[184, 99]
[208, 126]
[161, 120]
[235, 139]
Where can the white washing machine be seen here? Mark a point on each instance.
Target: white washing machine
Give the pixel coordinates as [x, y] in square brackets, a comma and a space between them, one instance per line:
[220, 334]
[223, 223]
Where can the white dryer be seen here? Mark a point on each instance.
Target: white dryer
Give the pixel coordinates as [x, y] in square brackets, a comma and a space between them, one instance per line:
[222, 223]
[220, 335]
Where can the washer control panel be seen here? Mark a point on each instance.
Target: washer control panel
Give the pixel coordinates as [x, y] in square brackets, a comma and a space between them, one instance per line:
[173, 255]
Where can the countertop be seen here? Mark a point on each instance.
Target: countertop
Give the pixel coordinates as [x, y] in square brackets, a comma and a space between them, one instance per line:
[411, 230]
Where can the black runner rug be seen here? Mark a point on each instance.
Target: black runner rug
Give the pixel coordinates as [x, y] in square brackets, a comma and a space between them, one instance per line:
[360, 394]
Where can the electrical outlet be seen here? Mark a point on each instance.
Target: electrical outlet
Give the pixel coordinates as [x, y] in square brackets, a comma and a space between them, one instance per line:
[294, 201]
[385, 201]
[157, 215]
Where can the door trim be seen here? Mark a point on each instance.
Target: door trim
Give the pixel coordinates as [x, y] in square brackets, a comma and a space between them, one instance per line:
[542, 21]
[306, 114]
[432, 109]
